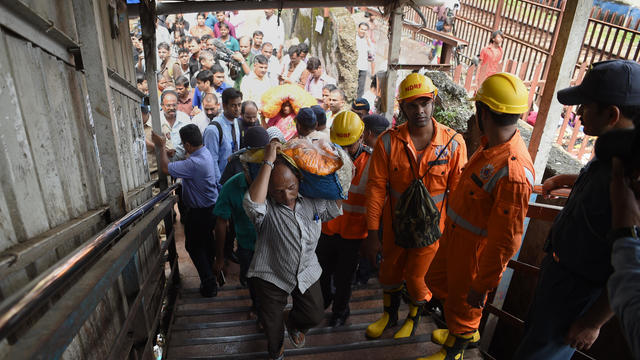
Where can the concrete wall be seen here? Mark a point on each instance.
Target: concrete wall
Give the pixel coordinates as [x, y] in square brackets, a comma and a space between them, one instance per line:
[335, 46]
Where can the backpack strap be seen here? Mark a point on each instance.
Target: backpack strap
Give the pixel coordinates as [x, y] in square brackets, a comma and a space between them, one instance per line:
[219, 127]
[434, 162]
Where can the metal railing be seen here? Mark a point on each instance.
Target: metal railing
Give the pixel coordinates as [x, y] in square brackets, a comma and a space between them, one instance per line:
[20, 308]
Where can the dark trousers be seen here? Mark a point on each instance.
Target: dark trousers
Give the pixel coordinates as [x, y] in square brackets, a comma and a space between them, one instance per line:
[362, 79]
[561, 297]
[245, 256]
[307, 310]
[199, 242]
[338, 258]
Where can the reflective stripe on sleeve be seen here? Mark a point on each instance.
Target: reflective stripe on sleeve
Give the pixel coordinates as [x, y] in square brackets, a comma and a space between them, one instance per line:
[488, 187]
[463, 223]
[353, 208]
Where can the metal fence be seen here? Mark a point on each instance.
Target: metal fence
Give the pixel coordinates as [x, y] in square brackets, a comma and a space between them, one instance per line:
[530, 29]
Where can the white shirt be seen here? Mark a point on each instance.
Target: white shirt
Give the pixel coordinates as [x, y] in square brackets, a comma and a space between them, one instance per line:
[173, 135]
[296, 73]
[272, 32]
[314, 87]
[252, 88]
[201, 120]
[363, 47]
[274, 69]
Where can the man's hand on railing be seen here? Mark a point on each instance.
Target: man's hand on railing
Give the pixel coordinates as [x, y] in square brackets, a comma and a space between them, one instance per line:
[557, 184]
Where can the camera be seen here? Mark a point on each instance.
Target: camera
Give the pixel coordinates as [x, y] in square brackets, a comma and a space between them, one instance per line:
[234, 66]
[224, 54]
[623, 144]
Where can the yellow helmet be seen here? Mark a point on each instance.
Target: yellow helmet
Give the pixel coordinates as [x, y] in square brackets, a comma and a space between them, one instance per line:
[346, 128]
[416, 86]
[503, 93]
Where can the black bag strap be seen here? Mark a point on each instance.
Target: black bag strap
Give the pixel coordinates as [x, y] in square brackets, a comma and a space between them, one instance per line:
[217, 125]
[406, 149]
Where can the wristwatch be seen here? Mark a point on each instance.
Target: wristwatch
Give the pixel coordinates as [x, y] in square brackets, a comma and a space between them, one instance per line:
[267, 162]
[628, 231]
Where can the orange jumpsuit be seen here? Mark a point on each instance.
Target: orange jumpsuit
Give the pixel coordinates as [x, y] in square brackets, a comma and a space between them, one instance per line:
[389, 176]
[484, 226]
[352, 223]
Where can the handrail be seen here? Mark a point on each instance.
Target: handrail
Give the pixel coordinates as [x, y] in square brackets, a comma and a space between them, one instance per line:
[23, 305]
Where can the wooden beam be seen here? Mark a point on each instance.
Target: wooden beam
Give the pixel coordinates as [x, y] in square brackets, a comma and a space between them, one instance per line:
[25, 253]
[99, 101]
[174, 7]
[572, 28]
[21, 19]
[148, 24]
[393, 56]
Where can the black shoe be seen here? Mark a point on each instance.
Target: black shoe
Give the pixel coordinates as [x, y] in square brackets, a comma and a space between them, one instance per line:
[338, 320]
[209, 288]
[233, 257]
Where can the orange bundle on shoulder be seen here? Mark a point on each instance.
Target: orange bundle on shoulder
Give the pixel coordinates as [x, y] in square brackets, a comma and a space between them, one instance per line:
[317, 157]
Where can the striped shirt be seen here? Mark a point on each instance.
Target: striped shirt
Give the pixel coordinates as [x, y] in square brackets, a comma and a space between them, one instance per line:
[285, 250]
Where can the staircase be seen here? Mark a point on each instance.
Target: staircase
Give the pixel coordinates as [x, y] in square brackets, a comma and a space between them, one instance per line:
[220, 328]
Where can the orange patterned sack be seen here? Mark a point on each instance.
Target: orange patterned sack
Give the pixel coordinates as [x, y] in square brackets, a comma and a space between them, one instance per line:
[317, 157]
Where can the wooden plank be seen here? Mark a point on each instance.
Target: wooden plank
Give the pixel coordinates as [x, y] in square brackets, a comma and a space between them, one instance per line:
[100, 102]
[63, 143]
[27, 252]
[26, 65]
[7, 233]
[21, 19]
[84, 133]
[18, 178]
[166, 8]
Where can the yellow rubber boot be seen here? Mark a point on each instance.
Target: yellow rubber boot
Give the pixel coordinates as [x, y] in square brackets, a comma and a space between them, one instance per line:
[411, 323]
[452, 349]
[391, 302]
[439, 336]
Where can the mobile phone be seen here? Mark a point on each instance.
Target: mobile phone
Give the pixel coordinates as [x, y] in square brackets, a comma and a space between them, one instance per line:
[221, 279]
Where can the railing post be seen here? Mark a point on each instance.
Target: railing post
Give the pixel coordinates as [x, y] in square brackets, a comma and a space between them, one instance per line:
[569, 43]
[395, 26]
[147, 22]
[497, 17]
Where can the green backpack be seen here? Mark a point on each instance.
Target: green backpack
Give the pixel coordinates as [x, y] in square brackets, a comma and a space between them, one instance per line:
[416, 218]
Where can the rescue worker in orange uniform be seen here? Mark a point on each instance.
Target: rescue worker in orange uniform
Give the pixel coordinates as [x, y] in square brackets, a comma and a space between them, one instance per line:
[485, 215]
[415, 144]
[341, 237]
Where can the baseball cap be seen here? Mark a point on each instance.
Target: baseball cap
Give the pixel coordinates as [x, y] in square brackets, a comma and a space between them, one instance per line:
[376, 123]
[306, 118]
[321, 115]
[360, 104]
[255, 137]
[275, 133]
[612, 82]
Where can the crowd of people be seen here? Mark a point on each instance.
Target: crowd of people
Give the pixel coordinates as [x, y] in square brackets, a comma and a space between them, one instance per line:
[445, 225]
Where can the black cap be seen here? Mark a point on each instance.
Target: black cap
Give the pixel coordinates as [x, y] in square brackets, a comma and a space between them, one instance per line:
[306, 118]
[376, 123]
[321, 115]
[255, 137]
[360, 104]
[612, 82]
